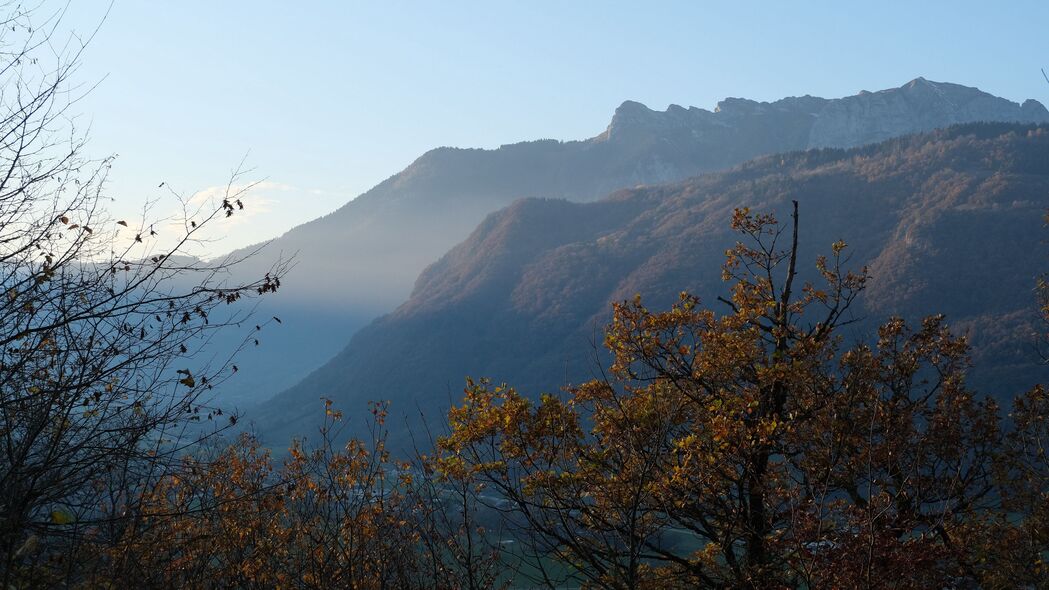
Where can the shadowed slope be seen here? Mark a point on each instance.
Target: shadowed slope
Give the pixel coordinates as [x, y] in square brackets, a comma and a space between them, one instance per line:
[360, 261]
[949, 221]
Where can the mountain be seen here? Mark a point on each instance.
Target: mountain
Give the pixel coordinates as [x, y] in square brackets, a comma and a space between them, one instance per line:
[948, 222]
[361, 260]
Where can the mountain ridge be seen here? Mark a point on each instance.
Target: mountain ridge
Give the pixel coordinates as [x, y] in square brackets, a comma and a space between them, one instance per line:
[529, 310]
[361, 260]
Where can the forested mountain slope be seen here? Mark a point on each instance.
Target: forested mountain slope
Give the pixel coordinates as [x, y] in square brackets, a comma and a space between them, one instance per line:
[361, 260]
[949, 222]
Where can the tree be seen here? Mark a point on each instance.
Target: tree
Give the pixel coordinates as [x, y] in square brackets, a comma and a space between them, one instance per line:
[328, 517]
[749, 449]
[100, 322]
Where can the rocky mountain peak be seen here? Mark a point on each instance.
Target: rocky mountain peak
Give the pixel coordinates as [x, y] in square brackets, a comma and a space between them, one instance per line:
[1035, 110]
[867, 117]
[919, 105]
[633, 118]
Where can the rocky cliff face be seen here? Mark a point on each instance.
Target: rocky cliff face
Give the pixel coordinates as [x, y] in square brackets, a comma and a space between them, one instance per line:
[919, 105]
[810, 122]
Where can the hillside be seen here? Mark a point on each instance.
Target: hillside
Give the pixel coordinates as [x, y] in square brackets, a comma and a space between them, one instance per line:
[361, 260]
[949, 221]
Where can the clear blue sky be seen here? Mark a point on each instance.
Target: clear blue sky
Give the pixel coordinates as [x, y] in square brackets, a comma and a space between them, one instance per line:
[332, 97]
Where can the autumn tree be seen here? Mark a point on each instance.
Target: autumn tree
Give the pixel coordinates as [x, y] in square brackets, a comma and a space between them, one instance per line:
[327, 516]
[1011, 546]
[750, 448]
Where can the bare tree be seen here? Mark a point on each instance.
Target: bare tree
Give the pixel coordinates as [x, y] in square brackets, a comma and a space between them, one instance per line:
[100, 318]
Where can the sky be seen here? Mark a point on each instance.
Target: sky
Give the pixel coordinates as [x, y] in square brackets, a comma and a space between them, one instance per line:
[322, 100]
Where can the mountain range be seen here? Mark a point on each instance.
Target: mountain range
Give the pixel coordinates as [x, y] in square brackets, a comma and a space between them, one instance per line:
[949, 221]
[361, 261]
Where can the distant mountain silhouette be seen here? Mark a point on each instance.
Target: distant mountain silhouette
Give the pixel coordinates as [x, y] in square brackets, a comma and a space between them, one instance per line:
[361, 260]
[949, 221]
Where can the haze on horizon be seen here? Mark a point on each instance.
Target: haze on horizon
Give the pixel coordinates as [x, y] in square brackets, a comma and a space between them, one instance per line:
[327, 101]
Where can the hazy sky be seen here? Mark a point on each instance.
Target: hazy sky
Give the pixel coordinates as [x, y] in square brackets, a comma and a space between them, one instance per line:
[332, 97]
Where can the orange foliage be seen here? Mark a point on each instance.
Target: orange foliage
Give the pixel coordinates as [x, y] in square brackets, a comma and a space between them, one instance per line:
[744, 449]
[781, 458]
